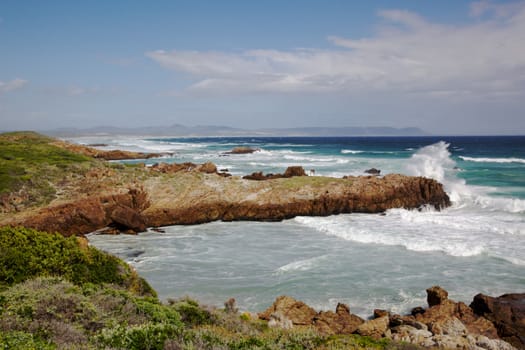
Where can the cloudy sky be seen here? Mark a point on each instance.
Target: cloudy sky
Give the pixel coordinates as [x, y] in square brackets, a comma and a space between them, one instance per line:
[448, 67]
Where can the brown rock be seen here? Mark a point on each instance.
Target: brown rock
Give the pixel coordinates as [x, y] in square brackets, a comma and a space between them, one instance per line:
[294, 171]
[127, 218]
[208, 168]
[340, 322]
[436, 295]
[380, 313]
[296, 311]
[444, 309]
[241, 150]
[375, 328]
[507, 312]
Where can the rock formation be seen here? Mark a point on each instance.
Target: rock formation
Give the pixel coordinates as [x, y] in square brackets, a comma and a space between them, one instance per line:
[445, 324]
[507, 312]
[242, 150]
[290, 172]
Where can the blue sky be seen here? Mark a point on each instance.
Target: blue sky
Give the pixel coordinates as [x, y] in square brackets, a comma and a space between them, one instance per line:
[449, 67]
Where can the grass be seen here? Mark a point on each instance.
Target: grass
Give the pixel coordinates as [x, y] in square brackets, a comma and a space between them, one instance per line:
[59, 294]
[31, 164]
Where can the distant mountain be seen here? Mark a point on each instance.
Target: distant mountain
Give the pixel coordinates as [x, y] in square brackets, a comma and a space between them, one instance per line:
[213, 130]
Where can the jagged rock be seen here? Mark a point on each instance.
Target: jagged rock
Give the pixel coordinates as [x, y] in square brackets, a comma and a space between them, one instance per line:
[444, 309]
[340, 322]
[375, 328]
[507, 312]
[436, 295]
[449, 326]
[296, 311]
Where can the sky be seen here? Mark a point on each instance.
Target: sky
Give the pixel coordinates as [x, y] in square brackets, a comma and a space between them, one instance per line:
[447, 67]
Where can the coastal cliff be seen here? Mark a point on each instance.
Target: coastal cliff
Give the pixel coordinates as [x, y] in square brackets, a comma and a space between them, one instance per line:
[87, 194]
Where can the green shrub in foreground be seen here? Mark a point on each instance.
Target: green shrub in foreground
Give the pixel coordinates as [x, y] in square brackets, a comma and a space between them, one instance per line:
[27, 253]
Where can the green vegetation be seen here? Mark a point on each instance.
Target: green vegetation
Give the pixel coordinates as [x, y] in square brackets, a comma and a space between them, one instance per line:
[30, 161]
[60, 294]
[26, 253]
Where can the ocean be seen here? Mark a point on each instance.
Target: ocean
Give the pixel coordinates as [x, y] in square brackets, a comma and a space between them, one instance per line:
[365, 260]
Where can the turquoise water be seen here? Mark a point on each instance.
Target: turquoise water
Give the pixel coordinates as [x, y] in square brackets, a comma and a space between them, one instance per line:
[367, 261]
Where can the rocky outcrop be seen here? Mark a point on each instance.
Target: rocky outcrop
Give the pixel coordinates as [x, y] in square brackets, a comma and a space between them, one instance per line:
[121, 210]
[212, 198]
[445, 324]
[242, 150]
[507, 312]
[195, 193]
[339, 322]
[296, 311]
[286, 312]
[106, 155]
[290, 172]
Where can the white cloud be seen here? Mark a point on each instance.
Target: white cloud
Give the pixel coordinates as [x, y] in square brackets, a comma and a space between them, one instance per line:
[12, 85]
[409, 55]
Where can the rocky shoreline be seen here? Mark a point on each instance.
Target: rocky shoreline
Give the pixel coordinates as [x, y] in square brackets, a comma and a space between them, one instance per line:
[488, 323]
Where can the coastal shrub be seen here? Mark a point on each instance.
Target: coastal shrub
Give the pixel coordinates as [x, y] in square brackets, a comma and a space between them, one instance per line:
[23, 341]
[27, 253]
[149, 336]
[190, 312]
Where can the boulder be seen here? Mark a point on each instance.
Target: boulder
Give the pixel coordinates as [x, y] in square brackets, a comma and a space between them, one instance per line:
[339, 322]
[373, 171]
[375, 328]
[507, 312]
[294, 171]
[242, 150]
[208, 168]
[296, 311]
[436, 295]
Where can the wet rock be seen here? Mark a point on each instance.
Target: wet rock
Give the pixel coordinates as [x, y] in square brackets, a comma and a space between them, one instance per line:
[296, 311]
[507, 312]
[373, 171]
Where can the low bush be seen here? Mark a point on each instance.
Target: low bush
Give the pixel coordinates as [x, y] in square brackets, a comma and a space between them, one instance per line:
[27, 253]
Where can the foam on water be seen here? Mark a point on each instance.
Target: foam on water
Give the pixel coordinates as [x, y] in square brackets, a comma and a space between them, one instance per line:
[434, 161]
[493, 160]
